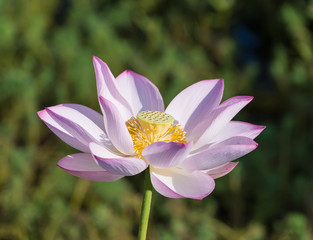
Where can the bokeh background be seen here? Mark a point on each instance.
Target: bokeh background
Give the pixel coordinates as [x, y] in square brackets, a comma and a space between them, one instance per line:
[261, 48]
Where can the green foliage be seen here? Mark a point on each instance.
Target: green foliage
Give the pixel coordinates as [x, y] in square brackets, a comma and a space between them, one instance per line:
[260, 48]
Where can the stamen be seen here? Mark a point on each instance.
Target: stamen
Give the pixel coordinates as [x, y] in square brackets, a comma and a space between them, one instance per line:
[153, 126]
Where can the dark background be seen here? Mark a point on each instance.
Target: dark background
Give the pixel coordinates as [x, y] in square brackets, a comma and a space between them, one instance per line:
[261, 48]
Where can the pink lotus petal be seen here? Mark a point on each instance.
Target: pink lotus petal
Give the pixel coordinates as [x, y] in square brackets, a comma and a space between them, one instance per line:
[222, 170]
[107, 88]
[236, 128]
[195, 103]
[61, 132]
[140, 93]
[181, 183]
[217, 120]
[82, 165]
[116, 127]
[75, 124]
[126, 166]
[220, 153]
[81, 133]
[166, 154]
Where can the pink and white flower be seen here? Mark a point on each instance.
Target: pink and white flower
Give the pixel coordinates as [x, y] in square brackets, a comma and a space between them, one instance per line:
[186, 146]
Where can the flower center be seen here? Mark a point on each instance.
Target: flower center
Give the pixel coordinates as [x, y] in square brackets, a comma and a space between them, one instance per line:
[153, 126]
[155, 118]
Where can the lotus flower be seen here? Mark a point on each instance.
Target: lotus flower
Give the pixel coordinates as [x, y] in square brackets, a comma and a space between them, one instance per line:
[186, 146]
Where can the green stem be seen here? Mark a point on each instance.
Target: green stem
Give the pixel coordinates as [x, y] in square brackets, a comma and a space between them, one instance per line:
[146, 205]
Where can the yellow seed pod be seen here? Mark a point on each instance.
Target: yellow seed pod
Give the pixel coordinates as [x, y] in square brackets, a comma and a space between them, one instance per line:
[155, 117]
[155, 122]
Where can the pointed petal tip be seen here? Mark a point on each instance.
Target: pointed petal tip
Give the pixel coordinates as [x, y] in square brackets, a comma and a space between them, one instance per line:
[128, 71]
[220, 80]
[253, 143]
[252, 146]
[50, 109]
[261, 128]
[131, 72]
[246, 141]
[101, 98]
[41, 113]
[217, 81]
[234, 164]
[242, 98]
[249, 98]
[97, 60]
[105, 101]
[214, 80]
[60, 164]
[237, 99]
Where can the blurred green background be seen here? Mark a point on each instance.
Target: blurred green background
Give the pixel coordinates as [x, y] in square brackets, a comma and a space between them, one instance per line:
[261, 48]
